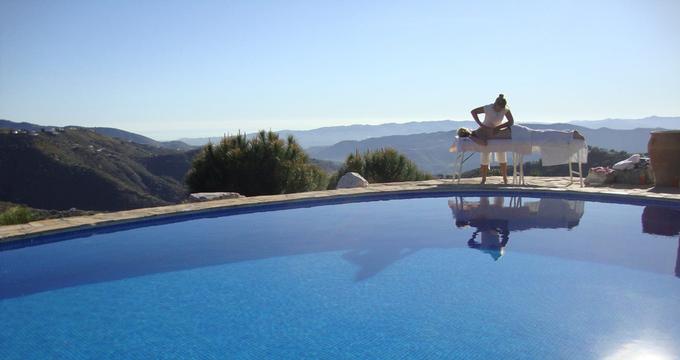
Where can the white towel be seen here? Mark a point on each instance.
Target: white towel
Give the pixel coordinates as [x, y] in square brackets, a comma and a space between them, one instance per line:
[555, 146]
[628, 163]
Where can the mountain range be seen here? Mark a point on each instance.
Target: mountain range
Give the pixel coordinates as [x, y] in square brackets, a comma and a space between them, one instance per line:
[333, 134]
[629, 124]
[326, 136]
[430, 150]
[107, 131]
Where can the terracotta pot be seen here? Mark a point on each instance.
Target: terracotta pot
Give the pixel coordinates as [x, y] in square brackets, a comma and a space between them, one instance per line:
[664, 152]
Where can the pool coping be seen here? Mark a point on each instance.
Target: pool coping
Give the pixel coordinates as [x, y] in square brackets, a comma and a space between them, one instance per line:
[536, 186]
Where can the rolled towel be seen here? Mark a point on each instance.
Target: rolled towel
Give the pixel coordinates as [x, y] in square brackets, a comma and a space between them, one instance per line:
[628, 163]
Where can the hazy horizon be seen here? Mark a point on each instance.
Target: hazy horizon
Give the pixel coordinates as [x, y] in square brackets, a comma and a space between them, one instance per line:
[171, 69]
[220, 133]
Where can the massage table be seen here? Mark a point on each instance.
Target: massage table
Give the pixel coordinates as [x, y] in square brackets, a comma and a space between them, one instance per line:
[554, 146]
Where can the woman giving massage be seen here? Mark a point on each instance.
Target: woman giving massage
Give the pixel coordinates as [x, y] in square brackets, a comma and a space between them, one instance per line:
[493, 127]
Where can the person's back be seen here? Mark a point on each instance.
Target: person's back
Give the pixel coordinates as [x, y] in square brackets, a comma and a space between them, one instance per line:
[493, 118]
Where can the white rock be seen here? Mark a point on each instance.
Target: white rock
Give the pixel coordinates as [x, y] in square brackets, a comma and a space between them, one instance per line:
[207, 196]
[351, 180]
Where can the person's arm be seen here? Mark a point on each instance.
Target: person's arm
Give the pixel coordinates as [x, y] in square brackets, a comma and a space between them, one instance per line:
[475, 113]
[507, 124]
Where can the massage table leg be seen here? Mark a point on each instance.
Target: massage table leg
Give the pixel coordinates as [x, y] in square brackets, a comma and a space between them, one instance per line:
[460, 158]
[460, 166]
[521, 169]
[517, 168]
[580, 168]
[514, 168]
[571, 173]
[579, 172]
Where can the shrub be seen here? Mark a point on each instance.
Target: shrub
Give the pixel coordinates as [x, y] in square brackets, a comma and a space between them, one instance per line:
[381, 166]
[16, 215]
[262, 165]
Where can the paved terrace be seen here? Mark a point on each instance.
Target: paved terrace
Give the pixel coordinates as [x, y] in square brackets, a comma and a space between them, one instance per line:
[540, 184]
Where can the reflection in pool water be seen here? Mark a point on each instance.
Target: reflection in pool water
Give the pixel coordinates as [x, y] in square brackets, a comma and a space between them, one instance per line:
[378, 279]
[494, 218]
[660, 220]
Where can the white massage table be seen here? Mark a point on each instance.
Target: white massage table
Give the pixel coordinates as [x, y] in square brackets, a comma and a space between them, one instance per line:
[555, 148]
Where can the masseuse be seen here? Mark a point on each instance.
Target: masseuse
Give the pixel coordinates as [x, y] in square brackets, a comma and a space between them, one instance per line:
[493, 127]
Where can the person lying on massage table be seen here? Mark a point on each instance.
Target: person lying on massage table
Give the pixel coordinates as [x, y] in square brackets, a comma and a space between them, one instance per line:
[493, 127]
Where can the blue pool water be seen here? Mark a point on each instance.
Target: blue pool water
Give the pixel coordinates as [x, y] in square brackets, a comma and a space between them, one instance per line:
[434, 277]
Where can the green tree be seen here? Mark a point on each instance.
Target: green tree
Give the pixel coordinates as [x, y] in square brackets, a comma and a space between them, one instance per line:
[262, 165]
[16, 215]
[380, 166]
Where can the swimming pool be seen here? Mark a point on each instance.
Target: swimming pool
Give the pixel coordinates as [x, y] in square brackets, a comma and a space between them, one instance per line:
[420, 276]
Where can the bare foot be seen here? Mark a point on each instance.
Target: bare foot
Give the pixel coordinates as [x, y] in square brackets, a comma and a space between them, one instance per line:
[483, 181]
[505, 180]
[577, 135]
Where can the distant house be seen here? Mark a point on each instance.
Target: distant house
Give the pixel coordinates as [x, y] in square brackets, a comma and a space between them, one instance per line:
[52, 130]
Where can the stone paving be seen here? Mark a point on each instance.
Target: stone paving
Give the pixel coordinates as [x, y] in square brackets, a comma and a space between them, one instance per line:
[494, 184]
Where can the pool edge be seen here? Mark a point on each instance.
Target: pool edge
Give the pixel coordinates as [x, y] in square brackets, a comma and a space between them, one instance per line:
[12, 233]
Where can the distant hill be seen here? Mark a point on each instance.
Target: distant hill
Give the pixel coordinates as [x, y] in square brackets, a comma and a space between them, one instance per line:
[141, 139]
[333, 134]
[629, 124]
[6, 124]
[199, 141]
[81, 168]
[327, 136]
[112, 132]
[430, 151]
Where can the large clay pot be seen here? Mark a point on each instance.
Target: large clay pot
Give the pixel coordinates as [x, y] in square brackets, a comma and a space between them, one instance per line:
[664, 151]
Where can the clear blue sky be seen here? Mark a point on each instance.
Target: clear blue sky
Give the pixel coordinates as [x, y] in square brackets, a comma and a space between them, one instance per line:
[190, 68]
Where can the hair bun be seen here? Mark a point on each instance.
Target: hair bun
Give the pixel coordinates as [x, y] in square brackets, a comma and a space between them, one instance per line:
[501, 96]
